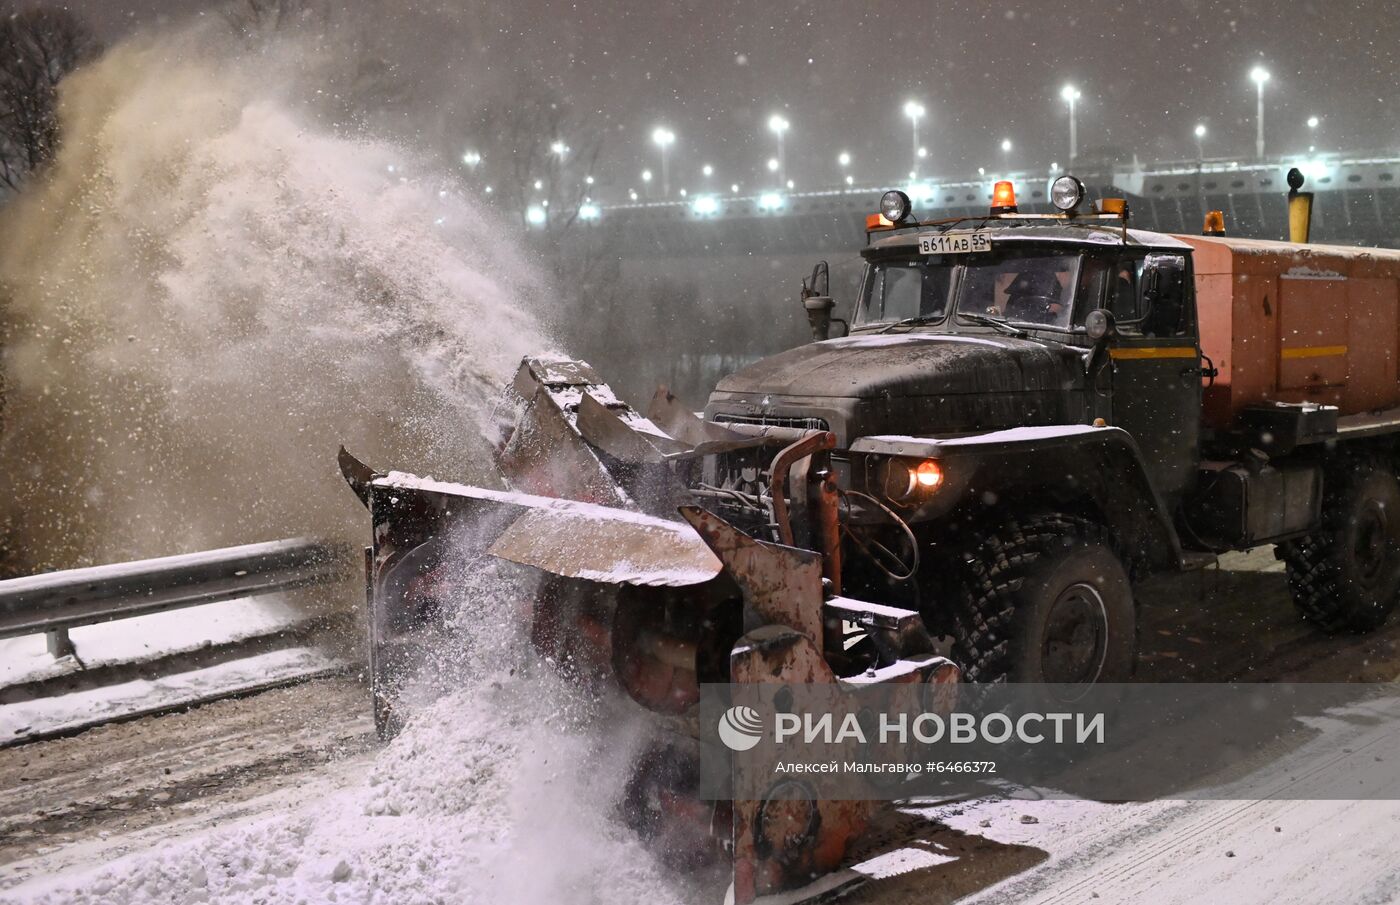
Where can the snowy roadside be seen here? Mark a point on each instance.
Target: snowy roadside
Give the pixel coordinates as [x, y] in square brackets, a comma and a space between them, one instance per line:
[493, 795]
[1263, 840]
[46, 717]
[137, 667]
[26, 659]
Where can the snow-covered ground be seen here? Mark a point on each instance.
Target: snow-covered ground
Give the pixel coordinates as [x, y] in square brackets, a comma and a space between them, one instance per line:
[496, 795]
[142, 640]
[506, 790]
[26, 659]
[46, 716]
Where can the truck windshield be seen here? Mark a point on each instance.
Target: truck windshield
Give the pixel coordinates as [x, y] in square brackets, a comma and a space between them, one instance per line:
[900, 290]
[1031, 287]
[1028, 289]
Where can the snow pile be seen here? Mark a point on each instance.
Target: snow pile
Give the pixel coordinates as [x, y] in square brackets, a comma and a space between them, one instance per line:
[221, 280]
[488, 798]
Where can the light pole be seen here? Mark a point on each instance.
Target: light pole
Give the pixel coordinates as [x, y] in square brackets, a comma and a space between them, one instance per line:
[1070, 95]
[646, 182]
[778, 126]
[843, 160]
[1200, 133]
[915, 111]
[1006, 154]
[664, 138]
[1259, 75]
[1313, 123]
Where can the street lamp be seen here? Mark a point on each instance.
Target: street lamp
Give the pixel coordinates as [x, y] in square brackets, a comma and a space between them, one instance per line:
[1313, 123]
[559, 149]
[1259, 75]
[1200, 133]
[1006, 154]
[778, 126]
[915, 111]
[1070, 95]
[707, 171]
[646, 182]
[663, 139]
[472, 159]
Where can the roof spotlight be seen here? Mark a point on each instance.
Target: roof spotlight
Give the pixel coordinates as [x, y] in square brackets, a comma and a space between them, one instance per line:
[1066, 193]
[895, 205]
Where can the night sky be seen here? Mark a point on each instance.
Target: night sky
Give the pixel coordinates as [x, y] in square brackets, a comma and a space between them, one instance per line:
[714, 71]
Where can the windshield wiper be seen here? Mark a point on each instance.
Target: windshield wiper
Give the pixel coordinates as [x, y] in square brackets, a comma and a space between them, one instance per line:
[995, 323]
[913, 322]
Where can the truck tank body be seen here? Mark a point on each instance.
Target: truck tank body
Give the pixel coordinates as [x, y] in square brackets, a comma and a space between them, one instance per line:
[1291, 323]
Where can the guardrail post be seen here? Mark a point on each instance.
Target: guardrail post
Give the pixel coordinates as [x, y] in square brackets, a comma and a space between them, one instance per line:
[60, 645]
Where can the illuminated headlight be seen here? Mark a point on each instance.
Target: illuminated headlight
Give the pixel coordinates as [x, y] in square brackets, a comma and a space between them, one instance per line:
[1066, 193]
[928, 475]
[909, 478]
[895, 206]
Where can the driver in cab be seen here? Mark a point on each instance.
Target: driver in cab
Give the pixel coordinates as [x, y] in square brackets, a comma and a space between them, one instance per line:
[1034, 296]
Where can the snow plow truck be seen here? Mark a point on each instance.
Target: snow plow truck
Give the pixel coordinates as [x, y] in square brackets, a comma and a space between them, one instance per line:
[1025, 414]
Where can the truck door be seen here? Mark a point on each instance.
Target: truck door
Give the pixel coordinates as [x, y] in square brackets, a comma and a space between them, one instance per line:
[1156, 375]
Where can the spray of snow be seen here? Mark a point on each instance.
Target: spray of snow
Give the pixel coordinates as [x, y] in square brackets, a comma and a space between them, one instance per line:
[213, 287]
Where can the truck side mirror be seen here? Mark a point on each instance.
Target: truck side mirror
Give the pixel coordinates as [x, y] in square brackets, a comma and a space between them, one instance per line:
[819, 314]
[817, 300]
[1163, 295]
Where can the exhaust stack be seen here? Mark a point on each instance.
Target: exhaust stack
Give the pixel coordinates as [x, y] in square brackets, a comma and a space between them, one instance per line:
[1299, 208]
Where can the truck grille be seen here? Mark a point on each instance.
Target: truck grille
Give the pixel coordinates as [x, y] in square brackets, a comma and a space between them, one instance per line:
[809, 424]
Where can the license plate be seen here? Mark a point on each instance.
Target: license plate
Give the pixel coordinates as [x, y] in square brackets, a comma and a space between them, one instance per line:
[954, 243]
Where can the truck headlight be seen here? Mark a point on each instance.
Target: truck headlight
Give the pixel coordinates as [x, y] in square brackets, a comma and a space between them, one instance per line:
[895, 206]
[1066, 193]
[909, 478]
[928, 475]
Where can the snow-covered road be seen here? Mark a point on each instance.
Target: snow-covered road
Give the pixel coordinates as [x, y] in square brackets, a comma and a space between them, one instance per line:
[283, 797]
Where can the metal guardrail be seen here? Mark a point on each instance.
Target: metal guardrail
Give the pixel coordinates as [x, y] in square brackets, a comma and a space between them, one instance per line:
[55, 602]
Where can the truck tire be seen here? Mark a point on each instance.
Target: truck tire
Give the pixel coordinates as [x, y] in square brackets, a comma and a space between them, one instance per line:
[1345, 577]
[1042, 599]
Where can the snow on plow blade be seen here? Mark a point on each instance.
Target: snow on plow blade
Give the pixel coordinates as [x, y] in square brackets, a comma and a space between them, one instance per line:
[637, 585]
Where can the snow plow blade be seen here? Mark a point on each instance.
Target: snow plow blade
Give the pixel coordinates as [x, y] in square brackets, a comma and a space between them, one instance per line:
[635, 584]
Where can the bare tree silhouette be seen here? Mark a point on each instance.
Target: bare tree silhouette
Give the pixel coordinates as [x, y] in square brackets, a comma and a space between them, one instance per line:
[38, 47]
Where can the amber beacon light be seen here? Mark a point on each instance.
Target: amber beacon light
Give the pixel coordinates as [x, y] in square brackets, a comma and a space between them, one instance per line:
[1004, 198]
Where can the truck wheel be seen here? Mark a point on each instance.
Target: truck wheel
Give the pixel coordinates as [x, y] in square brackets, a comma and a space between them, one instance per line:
[1043, 599]
[1346, 575]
